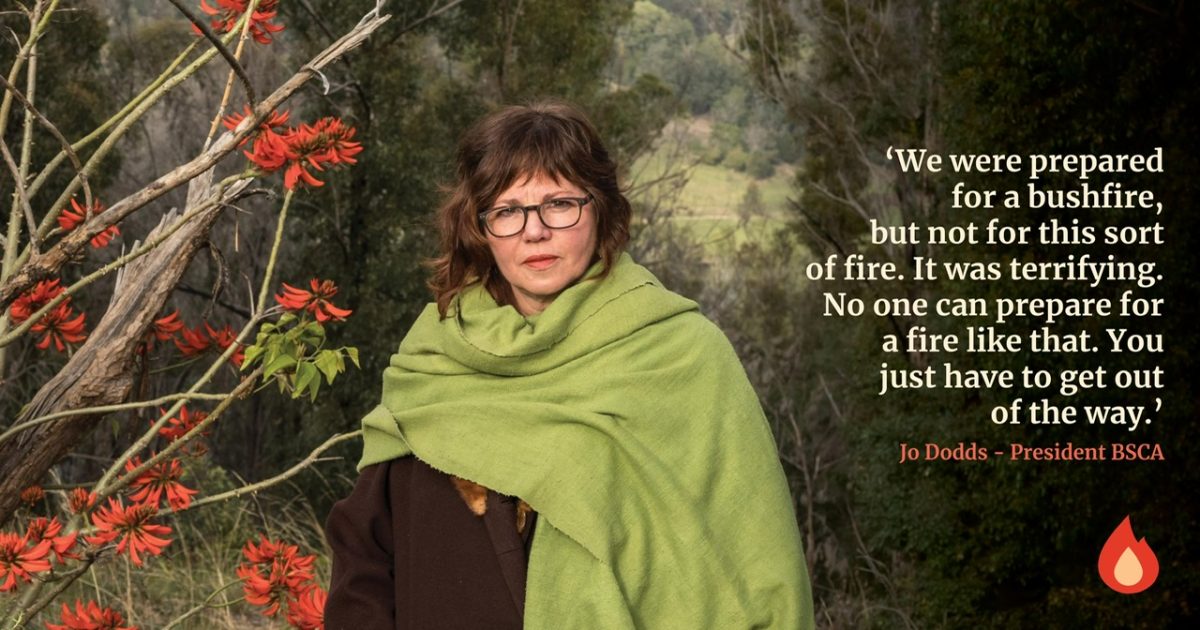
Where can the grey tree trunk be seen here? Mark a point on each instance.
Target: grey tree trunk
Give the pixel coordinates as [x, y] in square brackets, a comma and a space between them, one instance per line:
[101, 372]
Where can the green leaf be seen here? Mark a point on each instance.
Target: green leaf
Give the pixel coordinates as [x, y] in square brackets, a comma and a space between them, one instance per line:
[280, 362]
[353, 354]
[327, 362]
[306, 373]
[251, 355]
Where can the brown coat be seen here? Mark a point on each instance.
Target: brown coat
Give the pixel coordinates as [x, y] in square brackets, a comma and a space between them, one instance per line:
[409, 554]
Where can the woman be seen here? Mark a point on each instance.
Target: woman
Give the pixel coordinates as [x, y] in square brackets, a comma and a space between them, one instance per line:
[562, 443]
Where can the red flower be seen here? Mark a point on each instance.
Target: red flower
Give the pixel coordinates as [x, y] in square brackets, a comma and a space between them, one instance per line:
[224, 338]
[90, 617]
[40, 529]
[28, 303]
[18, 560]
[132, 525]
[276, 573]
[268, 551]
[59, 327]
[296, 569]
[315, 302]
[274, 123]
[327, 141]
[32, 495]
[259, 590]
[268, 149]
[164, 329]
[226, 17]
[179, 426]
[162, 477]
[270, 152]
[81, 500]
[196, 342]
[67, 220]
[307, 612]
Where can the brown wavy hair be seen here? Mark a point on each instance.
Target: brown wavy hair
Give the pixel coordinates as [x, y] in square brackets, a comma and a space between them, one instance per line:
[547, 136]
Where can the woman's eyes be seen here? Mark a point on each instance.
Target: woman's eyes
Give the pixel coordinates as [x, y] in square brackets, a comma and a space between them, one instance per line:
[553, 204]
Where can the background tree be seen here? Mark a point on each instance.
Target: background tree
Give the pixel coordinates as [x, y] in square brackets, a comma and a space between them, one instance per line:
[947, 544]
[108, 366]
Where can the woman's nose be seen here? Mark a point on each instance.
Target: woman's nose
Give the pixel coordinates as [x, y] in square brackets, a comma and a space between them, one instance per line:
[535, 230]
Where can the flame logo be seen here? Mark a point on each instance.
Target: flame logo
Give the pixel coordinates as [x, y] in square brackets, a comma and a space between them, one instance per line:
[1127, 565]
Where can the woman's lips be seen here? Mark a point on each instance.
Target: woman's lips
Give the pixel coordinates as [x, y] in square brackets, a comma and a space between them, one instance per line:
[539, 262]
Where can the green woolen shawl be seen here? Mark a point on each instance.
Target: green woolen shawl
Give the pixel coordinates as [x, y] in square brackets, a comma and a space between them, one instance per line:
[624, 418]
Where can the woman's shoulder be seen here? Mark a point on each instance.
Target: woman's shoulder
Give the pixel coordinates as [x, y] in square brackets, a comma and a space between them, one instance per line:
[695, 327]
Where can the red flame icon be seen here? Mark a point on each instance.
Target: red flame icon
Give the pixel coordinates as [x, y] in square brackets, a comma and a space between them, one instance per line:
[1127, 565]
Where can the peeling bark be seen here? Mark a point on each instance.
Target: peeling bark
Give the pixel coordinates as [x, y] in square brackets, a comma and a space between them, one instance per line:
[47, 264]
[101, 371]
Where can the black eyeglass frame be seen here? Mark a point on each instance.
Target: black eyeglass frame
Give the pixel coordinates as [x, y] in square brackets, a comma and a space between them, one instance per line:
[537, 207]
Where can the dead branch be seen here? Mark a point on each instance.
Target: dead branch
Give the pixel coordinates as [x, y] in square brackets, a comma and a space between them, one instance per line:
[101, 371]
[47, 264]
[208, 33]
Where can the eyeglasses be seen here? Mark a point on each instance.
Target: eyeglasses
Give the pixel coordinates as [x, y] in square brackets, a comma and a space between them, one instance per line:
[556, 214]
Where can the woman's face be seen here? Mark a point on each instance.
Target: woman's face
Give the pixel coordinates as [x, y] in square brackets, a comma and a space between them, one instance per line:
[540, 262]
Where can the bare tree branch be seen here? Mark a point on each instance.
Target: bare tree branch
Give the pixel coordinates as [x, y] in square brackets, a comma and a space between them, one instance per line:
[433, 12]
[66, 145]
[19, 187]
[234, 64]
[47, 264]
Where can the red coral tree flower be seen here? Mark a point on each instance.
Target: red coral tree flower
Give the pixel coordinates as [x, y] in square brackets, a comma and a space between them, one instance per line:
[132, 525]
[180, 425]
[198, 340]
[42, 529]
[89, 617]
[227, 12]
[20, 560]
[32, 495]
[28, 303]
[269, 154]
[268, 551]
[328, 141]
[224, 338]
[268, 150]
[261, 590]
[163, 329]
[160, 478]
[80, 500]
[307, 612]
[275, 122]
[315, 301]
[68, 221]
[275, 574]
[193, 341]
[61, 327]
